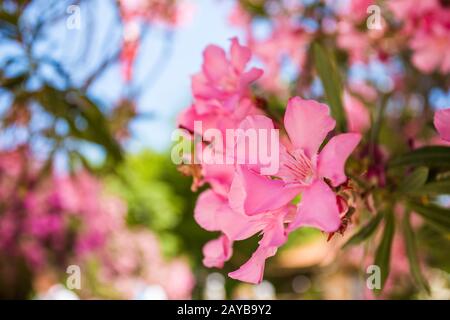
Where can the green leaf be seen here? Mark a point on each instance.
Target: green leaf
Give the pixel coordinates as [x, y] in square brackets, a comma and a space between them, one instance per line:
[436, 187]
[411, 251]
[329, 75]
[76, 109]
[434, 156]
[415, 180]
[437, 216]
[365, 232]
[383, 253]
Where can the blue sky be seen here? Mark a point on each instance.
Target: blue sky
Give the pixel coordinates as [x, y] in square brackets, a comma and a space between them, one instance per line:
[164, 97]
[170, 93]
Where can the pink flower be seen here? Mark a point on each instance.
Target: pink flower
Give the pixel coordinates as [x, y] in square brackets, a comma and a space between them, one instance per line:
[274, 235]
[287, 40]
[303, 170]
[213, 213]
[217, 251]
[179, 280]
[221, 90]
[432, 48]
[358, 116]
[409, 9]
[426, 23]
[442, 123]
[352, 40]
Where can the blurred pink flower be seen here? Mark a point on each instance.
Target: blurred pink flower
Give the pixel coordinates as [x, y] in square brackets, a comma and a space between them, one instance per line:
[431, 46]
[287, 40]
[442, 123]
[358, 117]
[51, 218]
[427, 24]
[217, 251]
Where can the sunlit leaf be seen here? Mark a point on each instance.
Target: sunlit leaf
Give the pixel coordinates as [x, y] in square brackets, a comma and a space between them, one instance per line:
[329, 75]
[415, 180]
[411, 251]
[431, 156]
[383, 253]
[437, 216]
[441, 187]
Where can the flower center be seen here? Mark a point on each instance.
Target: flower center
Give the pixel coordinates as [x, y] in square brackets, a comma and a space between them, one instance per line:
[297, 168]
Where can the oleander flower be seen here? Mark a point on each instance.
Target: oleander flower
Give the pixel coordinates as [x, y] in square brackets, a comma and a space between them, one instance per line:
[222, 89]
[303, 170]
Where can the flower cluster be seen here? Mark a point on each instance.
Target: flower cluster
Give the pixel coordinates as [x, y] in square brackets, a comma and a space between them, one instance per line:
[131, 262]
[243, 200]
[48, 222]
[54, 218]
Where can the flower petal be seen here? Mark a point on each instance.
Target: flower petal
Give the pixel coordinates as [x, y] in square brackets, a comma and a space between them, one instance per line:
[442, 123]
[358, 116]
[240, 55]
[207, 208]
[251, 193]
[318, 208]
[307, 123]
[213, 213]
[215, 63]
[219, 176]
[253, 270]
[217, 251]
[258, 144]
[332, 158]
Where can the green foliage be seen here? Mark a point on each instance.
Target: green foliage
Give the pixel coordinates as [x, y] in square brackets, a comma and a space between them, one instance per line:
[440, 187]
[435, 215]
[159, 197]
[412, 252]
[365, 232]
[431, 156]
[383, 253]
[329, 75]
[415, 180]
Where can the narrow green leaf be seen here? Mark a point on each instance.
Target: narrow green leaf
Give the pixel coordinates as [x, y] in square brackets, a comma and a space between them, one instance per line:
[436, 187]
[437, 216]
[415, 180]
[411, 251]
[434, 156]
[383, 253]
[331, 81]
[365, 232]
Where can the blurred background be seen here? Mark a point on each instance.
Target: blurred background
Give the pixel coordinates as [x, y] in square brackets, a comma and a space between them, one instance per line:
[91, 205]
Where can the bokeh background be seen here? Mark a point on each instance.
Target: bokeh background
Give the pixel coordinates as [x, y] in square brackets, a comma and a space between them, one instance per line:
[86, 178]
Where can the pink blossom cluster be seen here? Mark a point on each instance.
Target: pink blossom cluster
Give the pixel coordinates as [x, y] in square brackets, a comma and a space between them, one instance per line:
[242, 200]
[52, 219]
[414, 31]
[426, 25]
[132, 260]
